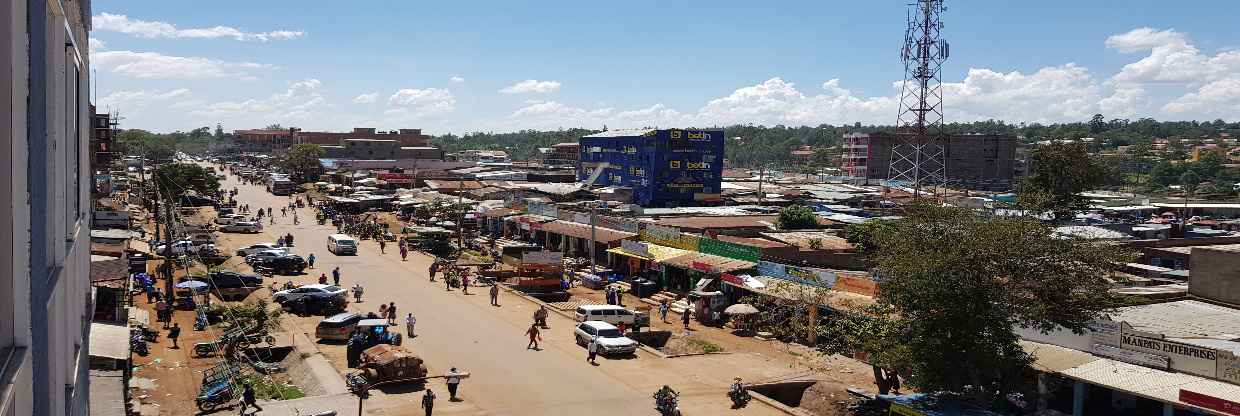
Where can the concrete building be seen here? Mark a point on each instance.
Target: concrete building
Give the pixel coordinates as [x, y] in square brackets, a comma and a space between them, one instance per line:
[45, 120]
[262, 140]
[1216, 273]
[971, 159]
[372, 149]
[563, 154]
[663, 167]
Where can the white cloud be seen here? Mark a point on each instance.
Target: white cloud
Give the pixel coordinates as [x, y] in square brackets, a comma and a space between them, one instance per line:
[417, 103]
[456, 79]
[125, 99]
[155, 29]
[532, 86]
[1219, 98]
[1172, 58]
[96, 45]
[366, 98]
[157, 65]
[296, 104]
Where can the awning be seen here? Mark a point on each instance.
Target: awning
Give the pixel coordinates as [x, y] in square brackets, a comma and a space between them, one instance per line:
[796, 291]
[657, 252]
[109, 341]
[708, 263]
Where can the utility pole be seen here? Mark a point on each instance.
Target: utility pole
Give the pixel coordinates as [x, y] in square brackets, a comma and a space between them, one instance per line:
[761, 175]
[593, 243]
[460, 220]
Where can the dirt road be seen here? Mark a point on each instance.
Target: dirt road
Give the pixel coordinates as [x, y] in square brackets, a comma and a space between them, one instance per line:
[465, 331]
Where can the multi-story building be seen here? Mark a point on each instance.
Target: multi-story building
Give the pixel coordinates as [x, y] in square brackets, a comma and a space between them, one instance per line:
[375, 149]
[45, 122]
[263, 140]
[563, 154]
[102, 139]
[663, 167]
[970, 158]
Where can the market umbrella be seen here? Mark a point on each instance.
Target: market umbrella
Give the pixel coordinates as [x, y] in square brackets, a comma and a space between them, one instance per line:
[194, 285]
[741, 309]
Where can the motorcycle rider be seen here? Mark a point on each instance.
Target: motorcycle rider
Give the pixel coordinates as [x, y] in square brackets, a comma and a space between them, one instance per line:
[738, 393]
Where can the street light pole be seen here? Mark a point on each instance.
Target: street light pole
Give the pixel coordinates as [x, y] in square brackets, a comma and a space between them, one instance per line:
[593, 243]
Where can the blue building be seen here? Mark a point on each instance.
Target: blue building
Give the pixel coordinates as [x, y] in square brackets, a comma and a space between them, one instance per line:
[665, 168]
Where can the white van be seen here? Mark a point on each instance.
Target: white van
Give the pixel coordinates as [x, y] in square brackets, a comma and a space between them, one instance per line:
[341, 244]
[611, 314]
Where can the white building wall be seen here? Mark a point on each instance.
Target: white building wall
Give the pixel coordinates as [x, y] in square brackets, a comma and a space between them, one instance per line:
[44, 227]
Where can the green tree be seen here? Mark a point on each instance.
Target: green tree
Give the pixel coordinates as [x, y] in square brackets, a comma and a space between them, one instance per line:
[302, 162]
[863, 236]
[955, 286]
[1190, 181]
[179, 179]
[1097, 124]
[1059, 173]
[797, 217]
[155, 148]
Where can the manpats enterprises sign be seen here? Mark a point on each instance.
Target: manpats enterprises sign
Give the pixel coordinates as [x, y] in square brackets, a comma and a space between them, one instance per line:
[729, 250]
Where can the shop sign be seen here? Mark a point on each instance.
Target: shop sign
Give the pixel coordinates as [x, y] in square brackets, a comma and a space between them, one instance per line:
[1105, 332]
[636, 248]
[1183, 357]
[856, 285]
[1132, 357]
[1228, 367]
[733, 279]
[566, 215]
[671, 237]
[542, 257]
[810, 276]
[1210, 402]
[617, 223]
[703, 267]
[730, 250]
[581, 218]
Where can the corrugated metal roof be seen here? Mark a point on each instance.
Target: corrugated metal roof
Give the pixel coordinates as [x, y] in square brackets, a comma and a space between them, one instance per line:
[1148, 382]
[572, 229]
[109, 341]
[1183, 319]
[719, 263]
[1054, 358]
[621, 133]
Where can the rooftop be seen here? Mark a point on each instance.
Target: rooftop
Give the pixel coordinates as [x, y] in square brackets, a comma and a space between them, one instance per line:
[719, 222]
[621, 133]
[1183, 319]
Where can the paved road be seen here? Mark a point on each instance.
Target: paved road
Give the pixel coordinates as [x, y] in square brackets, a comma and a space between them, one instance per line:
[487, 341]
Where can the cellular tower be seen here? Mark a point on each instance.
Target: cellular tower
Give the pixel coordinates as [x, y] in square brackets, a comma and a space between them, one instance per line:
[917, 158]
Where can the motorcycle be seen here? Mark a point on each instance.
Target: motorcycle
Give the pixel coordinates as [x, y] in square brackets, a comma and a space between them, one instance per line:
[214, 395]
[739, 395]
[666, 403]
[138, 345]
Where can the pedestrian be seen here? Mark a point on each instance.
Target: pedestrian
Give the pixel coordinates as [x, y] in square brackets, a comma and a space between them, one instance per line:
[161, 311]
[150, 292]
[336, 276]
[410, 321]
[247, 399]
[534, 336]
[494, 294]
[621, 327]
[310, 260]
[593, 350]
[391, 313]
[454, 381]
[620, 295]
[428, 401]
[404, 253]
[280, 241]
[357, 292]
[383, 310]
[465, 283]
[540, 316]
[382, 246]
[322, 278]
[447, 282]
[685, 317]
[433, 268]
[663, 310]
[173, 334]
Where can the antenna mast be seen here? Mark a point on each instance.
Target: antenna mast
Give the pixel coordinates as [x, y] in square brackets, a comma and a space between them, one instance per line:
[917, 156]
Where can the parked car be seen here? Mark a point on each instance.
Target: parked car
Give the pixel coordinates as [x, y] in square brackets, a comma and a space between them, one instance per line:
[337, 327]
[285, 264]
[612, 314]
[184, 246]
[263, 256]
[255, 248]
[230, 279]
[610, 340]
[243, 227]
[315, 290]
[229, 219]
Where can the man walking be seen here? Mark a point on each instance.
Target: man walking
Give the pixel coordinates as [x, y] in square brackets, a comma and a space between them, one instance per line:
[173, 334]
[593, 350]
[428, 401]
[409, 322]
[391, 313]
[663, 308]
[494, 294]
[540, 316]
[247, 399]
[685, 317]
[357, 292]
[336, 276]
[454, 381]
[382, 245]
[434, 268]
[310, 260]
[465, 283]
[404, 252]
[534, 337]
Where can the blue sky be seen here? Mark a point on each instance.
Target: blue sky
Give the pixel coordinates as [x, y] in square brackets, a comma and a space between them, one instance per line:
[505, 65]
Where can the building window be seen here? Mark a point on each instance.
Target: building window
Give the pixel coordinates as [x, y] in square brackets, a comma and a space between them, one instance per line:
[72, 142]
